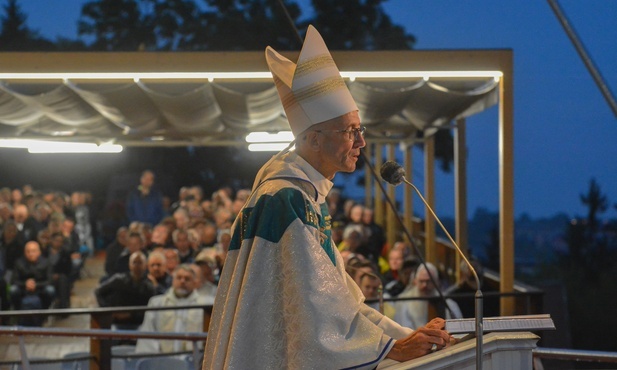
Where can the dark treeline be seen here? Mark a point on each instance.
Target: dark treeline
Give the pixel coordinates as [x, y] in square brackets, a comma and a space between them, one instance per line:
[574, 253]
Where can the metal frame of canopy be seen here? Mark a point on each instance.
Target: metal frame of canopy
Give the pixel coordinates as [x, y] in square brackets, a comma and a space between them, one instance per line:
[75, 69]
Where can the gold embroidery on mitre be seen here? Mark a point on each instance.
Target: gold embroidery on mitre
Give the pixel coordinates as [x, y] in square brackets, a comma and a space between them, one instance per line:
[314, 64]
[323, 87]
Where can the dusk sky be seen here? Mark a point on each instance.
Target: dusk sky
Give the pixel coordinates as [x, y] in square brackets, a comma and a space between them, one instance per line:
[565, 132]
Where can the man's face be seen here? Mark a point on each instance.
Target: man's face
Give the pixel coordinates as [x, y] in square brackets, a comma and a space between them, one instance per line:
[134, 244]
[156, 267]
[206, 270]
[356, 213]
[20, 213]
[395, 260]
[338, 153]
[147, 179]
[171, 256]
[137, 265]
[183, 283]
[160, 234]
[369, 287]
[32, 251]
[43, 238]
[182, 242]
[68, 226]
[122, 237]
[181, 219]
[208, 234]
[367, 216]
[424, 283]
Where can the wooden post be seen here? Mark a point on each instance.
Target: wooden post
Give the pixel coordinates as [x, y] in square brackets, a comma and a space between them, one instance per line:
[429, 189]
[460, 192]
[100, 349]
[506, 189]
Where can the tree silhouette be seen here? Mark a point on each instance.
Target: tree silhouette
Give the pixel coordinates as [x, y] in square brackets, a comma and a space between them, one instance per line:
[15, 35]
[596, 203]
[359, 25]
[117, 25]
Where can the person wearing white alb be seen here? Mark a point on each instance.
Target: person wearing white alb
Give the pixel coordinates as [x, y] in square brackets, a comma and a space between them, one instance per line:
[181, 293]
[414, 313]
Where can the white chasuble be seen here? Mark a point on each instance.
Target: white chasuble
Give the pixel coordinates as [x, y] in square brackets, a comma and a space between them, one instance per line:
[285, 300]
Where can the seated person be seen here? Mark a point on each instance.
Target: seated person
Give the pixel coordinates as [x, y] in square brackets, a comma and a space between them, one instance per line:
[415, 313]
[466, 290]
[127, 289]
[114, 249]
[395, 278]
[157, 272]
[182, 293]
[31, 286]
[134, 243]
[4, 299]
[182, 242]
[172, 259]
[59, 257]
[206, 260]
[12, 246]
[370, 284]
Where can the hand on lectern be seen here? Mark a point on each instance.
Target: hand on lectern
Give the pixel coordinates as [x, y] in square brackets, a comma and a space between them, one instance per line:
[439, 323]
[421, 341]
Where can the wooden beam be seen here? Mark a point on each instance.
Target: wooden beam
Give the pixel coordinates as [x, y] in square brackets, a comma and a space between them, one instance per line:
[460, 191]
[506, 189]
[429, 191]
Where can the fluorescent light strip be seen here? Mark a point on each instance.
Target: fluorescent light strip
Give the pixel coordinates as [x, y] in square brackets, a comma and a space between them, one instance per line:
[267, 147]
[268, 137]
[238, 75]
[41, 146]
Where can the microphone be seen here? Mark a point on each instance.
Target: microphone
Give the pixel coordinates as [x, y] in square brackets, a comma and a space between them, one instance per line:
[394, 174]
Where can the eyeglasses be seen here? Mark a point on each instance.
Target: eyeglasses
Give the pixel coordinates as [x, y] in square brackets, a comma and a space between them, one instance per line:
[352, 134]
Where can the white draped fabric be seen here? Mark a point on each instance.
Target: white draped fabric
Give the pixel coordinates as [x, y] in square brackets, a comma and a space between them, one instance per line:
[206, 113]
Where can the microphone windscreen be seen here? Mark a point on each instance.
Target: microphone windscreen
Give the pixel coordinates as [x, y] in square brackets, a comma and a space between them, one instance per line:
[392, 172]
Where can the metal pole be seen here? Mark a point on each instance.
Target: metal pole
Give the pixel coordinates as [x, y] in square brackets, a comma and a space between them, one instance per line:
[582, 52]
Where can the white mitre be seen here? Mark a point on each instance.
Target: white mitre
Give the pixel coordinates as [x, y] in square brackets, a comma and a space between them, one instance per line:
[312, 91]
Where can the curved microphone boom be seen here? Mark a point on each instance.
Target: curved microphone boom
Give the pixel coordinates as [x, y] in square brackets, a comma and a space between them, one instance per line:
[402, 224]
[394, 174]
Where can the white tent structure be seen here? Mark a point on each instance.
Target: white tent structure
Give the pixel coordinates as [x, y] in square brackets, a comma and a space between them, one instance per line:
[217, 98]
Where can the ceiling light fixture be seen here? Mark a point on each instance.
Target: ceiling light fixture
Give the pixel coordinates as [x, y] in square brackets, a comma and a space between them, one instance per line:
[267, 147]
[43, 146]
[269, 137]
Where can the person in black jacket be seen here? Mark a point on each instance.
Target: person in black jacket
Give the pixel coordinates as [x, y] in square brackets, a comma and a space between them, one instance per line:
[127, 289]
[11, 244]
[59, 256]
[32, 277]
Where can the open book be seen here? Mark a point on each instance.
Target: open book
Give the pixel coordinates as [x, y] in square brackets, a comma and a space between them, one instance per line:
[502, 323]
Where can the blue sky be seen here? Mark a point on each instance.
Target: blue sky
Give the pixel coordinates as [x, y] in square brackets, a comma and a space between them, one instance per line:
[565, 132]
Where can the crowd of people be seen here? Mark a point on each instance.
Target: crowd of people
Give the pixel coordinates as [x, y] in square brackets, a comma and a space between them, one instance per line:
[169, 255]
[46, 235]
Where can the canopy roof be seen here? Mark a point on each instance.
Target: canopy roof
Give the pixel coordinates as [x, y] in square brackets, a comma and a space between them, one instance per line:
[174, 99]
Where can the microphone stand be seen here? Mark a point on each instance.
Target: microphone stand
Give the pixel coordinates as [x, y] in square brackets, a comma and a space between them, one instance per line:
[478, 297]
[402, 224]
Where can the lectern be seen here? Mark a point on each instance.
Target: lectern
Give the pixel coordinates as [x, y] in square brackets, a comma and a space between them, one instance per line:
[501, 351]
